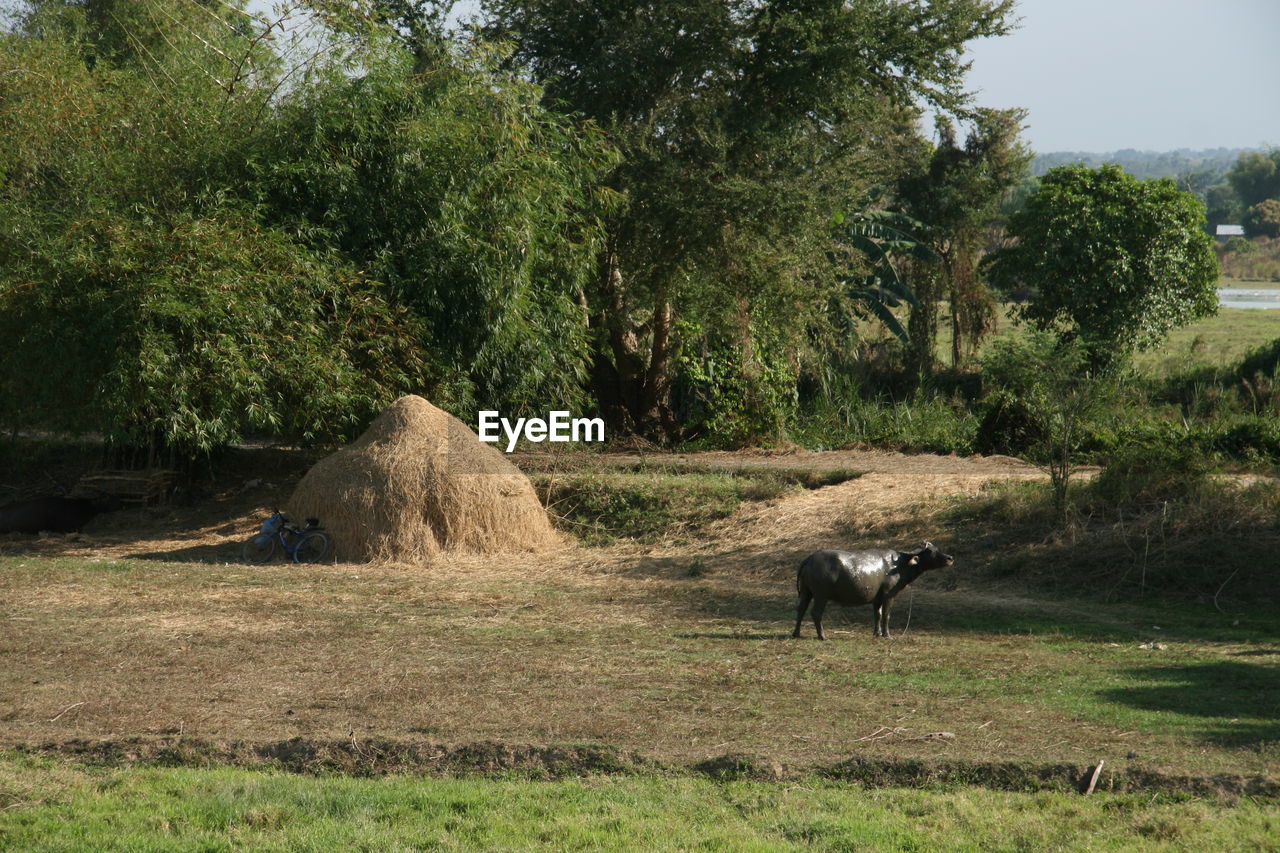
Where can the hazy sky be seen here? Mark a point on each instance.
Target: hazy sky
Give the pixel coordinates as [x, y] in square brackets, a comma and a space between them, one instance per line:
[1101, 75]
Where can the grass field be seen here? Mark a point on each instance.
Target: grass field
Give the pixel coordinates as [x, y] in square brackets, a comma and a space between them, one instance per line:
[643, 693]
[164, 809]
[1252, 283]
[1218, 340]
[642, 655]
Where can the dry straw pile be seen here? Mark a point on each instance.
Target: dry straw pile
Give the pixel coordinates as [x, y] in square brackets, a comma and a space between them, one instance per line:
[417, 483]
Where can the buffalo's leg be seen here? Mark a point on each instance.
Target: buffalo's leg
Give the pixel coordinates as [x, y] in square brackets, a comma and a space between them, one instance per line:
[805, 598]
[875, 619]
[884, 617]
[819, 605]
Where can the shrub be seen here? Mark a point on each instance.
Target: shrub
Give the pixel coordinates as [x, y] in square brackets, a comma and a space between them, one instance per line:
[1264, 359]
[1256, 438]
[1240, 246]
[1058, 392]
[1008, 426]
[1263, 219]
[1146, 474]
[734, 395]
[646, 502]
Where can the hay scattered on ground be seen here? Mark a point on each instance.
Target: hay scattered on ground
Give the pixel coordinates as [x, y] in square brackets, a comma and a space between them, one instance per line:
[768, 539]
[416, 484]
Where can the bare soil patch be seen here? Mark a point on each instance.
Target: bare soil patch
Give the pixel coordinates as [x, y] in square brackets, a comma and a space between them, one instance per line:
[869, 460]
[381, 756]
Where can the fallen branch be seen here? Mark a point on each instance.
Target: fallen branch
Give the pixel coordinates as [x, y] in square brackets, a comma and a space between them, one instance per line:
[65, 710]
[897, 731]
[881, 733]
[1224, 584]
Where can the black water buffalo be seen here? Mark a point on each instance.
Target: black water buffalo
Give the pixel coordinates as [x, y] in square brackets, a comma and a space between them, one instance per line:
[55, 514]
[861, 577]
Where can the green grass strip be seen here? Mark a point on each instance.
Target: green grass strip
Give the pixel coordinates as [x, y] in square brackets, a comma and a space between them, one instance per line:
[49, 805]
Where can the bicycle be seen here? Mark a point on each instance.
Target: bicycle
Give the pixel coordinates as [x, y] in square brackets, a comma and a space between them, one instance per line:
[305, 544]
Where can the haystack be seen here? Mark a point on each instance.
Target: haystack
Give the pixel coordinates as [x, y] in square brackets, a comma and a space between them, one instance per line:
[417, 483]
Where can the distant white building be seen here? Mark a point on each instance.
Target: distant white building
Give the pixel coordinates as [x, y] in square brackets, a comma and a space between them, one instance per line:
[1230, 231]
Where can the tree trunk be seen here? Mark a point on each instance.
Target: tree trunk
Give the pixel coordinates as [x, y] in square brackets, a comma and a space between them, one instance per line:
[957, 331]
[631, 366]
[656, 412]
[922, 326]
[973, 312]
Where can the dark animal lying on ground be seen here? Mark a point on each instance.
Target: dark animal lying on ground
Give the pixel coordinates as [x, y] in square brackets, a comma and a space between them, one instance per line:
[58, 515]
[861, 577]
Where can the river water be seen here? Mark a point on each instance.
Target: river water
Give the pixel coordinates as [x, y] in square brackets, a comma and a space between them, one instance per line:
[1249, 297]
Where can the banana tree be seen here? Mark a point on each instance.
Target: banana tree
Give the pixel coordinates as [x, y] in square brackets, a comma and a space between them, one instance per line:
[868, 242]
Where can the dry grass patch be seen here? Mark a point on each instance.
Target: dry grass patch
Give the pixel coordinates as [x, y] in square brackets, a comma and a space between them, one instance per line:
[1212, 540]
[678, 650]
[629, 651]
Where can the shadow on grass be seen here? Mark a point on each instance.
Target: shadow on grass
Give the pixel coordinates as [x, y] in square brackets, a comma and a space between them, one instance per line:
[759, 587]
[1241, 700]
[219, 554]
[226, 552]
[730, 635]
[76, 546]
[1140, 548]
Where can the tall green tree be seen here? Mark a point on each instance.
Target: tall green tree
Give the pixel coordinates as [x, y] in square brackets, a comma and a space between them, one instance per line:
[443, 177]
[957, 190]
[1255, 177]
[134, 267]
[1222, 206]
[1113, 261]
[178, 336]
[220, 39]
[127, 102]
[1056, 387]
[741, 126]
[1263, 219]
[871, 246]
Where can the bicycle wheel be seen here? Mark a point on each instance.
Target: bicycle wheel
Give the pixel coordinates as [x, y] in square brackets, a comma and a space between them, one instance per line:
[311, 548]
[259, 549]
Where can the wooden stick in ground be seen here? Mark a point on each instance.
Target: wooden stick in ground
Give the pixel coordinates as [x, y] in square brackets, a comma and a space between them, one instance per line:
[1093, 778]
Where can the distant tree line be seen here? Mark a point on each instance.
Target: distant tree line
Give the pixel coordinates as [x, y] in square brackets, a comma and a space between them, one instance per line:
[1211, 162]
[1238, 186]
[1255, 183]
